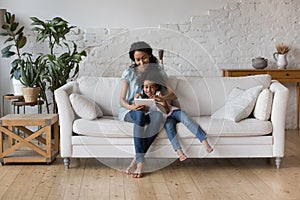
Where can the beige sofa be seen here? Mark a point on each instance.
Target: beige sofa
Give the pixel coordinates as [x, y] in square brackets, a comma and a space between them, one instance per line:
[107, 137]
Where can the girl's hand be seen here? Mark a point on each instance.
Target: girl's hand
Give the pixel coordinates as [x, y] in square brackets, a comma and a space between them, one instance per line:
[137, 95]
[159, 98]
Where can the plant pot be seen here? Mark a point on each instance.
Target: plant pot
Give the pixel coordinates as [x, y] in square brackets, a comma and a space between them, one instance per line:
[31, 94]
[17, 87]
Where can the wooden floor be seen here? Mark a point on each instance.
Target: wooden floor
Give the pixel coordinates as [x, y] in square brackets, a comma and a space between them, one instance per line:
[191, 179]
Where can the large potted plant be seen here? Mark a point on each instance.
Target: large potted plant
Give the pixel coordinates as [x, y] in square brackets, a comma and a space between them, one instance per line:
[23, 61]
[15, 42]
[63, 65]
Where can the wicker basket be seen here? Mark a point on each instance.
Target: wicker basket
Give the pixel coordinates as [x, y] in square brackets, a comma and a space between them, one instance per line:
[31, 94]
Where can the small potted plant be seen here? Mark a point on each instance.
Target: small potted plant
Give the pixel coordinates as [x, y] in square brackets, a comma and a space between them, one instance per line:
[31, 76]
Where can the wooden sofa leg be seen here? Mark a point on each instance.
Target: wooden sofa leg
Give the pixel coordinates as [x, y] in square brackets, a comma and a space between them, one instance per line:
[277, 162]
[67, 162]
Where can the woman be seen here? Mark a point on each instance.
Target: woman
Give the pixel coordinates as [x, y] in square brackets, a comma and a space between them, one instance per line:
[141, 54]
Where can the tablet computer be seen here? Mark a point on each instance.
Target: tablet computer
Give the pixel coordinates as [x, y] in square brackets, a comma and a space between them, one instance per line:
[149, 103]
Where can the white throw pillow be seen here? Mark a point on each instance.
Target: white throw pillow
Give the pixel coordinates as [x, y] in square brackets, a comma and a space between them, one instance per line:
[85, 107]
[239, 105]
[263, 106]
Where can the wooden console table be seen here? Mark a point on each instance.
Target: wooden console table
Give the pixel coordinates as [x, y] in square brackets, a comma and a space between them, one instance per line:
[282, 75]
[42, 151]
[18, 101]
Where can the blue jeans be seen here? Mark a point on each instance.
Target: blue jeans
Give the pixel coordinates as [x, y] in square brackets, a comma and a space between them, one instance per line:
[144, 136]
[180, 116]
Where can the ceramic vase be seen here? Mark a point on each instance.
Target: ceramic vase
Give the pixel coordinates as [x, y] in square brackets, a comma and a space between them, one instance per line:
[17, 87]
[281, 60]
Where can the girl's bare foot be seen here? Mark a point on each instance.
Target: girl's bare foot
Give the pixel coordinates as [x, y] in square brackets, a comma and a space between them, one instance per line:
[132, 167]
[181, 155]
[138, 172]
[208, 148]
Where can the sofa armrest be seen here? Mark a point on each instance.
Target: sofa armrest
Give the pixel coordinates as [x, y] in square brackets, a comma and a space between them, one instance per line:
[278, 116]
[66, 118]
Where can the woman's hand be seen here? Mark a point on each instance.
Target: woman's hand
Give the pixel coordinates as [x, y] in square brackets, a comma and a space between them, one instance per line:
[135, 107]
[123, 102]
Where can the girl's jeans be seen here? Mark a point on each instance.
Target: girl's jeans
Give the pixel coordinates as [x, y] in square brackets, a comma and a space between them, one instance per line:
[144, 136]
[180, 116]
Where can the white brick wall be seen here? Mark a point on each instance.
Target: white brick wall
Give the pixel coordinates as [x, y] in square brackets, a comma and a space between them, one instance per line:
[225, 38]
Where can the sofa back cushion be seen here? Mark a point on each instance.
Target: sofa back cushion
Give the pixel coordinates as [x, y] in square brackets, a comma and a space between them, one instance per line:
[203, 96]
[105, 91]
[197, 96]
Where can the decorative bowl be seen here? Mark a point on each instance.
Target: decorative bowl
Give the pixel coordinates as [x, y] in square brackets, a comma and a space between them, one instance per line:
[259, 63]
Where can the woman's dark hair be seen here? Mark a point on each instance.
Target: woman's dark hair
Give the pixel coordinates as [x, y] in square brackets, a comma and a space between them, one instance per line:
[144, 47]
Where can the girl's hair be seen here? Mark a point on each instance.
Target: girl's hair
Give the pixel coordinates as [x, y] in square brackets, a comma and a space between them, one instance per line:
[153, 74]
[144, 47]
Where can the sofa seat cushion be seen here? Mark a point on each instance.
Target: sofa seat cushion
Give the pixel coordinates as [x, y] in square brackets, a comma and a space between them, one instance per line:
[251, 140]
[113, 128]
[103, 127]
[222, 127]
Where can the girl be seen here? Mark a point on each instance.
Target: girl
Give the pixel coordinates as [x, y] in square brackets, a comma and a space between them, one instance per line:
[152, 84]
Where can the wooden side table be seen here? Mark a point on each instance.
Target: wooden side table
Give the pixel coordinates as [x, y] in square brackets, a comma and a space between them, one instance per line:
[18, 101]
[10, 97]
[21, 103]
[282, 75]
[44, 151]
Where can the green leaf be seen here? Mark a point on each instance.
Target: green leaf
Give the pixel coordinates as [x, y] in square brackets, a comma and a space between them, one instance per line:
[20, 31]
[61, 23]
[12, 19]
[4, 34]
[5, 26]
[7, 17]
[14, 26]
[15, 64]
[6, 48]
[15, 73]
[18, 37]
[52, 29]
[21, 43]
[35, 19]
[8, 54]
[8, 40]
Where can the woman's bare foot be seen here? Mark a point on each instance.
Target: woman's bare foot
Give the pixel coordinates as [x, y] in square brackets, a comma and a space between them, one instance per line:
[208, 148]
[132, 167]
[138, 172]
[181, 155]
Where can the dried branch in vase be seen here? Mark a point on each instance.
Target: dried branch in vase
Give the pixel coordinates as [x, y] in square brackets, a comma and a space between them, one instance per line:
[282, 48]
